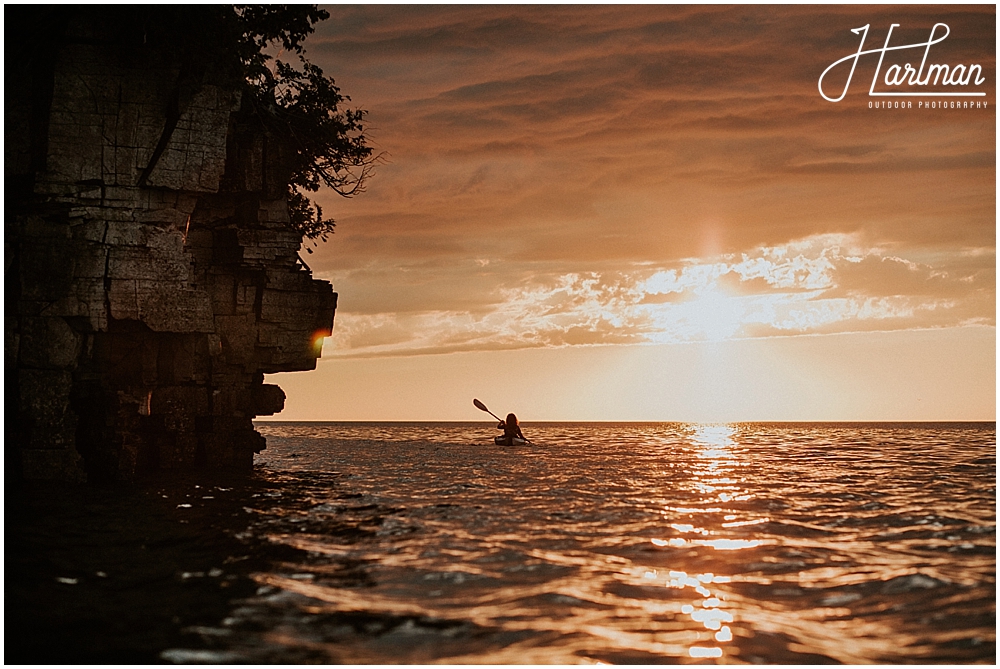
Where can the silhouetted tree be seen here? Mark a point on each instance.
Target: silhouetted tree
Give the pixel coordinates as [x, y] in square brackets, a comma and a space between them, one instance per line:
[304, 107]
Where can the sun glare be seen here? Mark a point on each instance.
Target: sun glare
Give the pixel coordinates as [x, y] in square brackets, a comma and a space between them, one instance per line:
[715, 313]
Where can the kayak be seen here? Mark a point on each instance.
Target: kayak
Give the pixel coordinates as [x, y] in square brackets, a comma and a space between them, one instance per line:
[501, 440]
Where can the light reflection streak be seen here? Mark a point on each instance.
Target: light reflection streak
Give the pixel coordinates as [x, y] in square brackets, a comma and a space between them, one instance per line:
[684, 509]
[714, 479]
[688, 528]
[717, 544]
[745, 523]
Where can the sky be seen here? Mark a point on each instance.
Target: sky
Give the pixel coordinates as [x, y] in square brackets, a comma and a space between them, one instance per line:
[652, 213]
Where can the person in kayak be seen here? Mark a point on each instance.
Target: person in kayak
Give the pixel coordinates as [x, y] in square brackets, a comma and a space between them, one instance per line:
[510, 430]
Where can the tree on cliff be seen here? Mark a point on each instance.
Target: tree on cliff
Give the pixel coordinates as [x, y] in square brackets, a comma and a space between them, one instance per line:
[303, 106]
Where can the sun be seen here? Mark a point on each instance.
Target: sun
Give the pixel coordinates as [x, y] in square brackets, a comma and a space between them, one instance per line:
[716, 314]
[709, 314]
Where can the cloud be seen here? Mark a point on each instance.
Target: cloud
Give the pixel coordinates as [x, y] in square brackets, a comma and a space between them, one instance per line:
[820, 285]
[651, 173]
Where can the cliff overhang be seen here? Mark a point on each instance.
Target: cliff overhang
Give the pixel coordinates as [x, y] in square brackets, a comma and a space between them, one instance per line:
[152, 276]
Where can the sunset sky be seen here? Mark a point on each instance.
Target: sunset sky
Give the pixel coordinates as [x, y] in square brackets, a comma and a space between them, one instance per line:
[651, 213]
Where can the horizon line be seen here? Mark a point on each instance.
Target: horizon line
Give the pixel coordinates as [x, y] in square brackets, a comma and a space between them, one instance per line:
[670, 422]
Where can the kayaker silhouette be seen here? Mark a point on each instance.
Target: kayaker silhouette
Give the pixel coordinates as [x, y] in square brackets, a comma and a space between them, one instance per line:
[511, 430]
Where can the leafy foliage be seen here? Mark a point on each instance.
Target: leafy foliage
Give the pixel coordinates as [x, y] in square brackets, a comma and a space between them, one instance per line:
[307, 217]
[304, 107]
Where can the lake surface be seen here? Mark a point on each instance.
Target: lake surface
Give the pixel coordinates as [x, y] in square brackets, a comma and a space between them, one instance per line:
[617, 543]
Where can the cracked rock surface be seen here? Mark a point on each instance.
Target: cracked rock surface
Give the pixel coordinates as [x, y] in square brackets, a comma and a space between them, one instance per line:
[151, 274]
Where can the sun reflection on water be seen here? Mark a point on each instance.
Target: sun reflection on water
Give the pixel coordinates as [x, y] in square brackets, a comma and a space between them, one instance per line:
[714, 477]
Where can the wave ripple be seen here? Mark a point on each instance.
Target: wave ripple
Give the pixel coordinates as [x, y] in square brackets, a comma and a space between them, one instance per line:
[622, 543]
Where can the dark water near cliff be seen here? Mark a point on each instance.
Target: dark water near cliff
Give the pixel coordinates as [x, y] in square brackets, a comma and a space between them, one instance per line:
[620, 543]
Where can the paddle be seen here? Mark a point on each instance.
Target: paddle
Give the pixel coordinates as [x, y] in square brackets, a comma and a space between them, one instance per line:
[482, 407]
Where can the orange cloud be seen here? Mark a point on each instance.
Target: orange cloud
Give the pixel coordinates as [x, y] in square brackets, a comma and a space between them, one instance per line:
[820, 285]
[546, 163]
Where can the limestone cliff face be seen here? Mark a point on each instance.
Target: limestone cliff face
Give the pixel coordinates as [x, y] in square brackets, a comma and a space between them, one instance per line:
[151, 275]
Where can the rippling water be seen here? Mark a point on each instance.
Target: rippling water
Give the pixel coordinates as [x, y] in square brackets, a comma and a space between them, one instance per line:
[620, 543]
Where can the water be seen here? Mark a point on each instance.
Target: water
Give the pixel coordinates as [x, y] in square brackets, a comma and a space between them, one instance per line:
[619, 543]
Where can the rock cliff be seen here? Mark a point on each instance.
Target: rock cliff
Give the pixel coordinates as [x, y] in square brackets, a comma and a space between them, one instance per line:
[151, 274]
